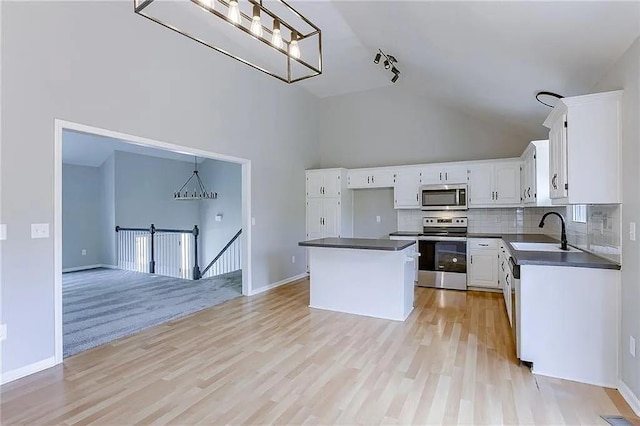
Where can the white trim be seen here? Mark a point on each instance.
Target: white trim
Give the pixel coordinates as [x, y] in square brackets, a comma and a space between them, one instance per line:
[87, 267]
[629, 396]
[21, 372]
[81, 268]
[279, 283]
[136, 140]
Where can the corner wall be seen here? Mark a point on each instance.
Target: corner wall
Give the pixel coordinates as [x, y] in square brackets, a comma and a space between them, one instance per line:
[626, 75]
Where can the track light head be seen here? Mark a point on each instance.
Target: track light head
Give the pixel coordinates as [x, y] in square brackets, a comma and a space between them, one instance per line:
[376, 60]
[387, 65]
[392, 59]
[395, 70]
[395, 78]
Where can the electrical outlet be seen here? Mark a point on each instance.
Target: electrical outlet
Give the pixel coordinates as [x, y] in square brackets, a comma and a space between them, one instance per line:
[632, 231]
[632, 346]
[378, 219]
[3, 332]
[84, 252]
[39, 230]
[293, 259]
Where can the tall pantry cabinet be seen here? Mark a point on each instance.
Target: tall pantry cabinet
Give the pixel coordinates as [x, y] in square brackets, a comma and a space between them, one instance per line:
[329, 204]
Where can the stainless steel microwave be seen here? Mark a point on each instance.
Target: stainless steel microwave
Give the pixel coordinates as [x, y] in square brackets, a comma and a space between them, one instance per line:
[444, 197]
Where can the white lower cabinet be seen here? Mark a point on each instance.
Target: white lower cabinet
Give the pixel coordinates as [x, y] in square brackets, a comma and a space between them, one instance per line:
[482, 270]
[506, 280]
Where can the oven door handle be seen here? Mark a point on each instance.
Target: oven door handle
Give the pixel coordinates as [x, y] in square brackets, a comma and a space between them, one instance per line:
[425, 238]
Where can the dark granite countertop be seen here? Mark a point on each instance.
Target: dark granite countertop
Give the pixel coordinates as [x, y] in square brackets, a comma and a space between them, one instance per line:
[574, 259]
[358, 243]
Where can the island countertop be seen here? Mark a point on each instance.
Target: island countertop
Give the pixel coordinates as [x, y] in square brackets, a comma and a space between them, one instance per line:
[358, 244]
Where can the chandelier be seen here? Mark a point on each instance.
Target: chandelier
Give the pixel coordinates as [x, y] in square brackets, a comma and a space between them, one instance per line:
[199, 191]
[268, 35]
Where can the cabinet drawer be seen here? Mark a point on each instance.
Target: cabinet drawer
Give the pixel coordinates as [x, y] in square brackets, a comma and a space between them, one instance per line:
[483, 243]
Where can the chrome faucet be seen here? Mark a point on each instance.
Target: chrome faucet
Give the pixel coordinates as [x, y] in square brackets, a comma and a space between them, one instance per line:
[563, 237]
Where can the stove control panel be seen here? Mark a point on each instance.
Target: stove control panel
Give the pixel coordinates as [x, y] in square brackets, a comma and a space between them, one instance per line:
[439, 222]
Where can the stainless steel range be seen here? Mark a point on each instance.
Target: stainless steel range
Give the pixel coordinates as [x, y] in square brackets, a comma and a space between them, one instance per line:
[443, 253]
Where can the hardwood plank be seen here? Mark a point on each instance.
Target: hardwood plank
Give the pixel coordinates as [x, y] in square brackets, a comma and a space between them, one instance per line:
[271, 359]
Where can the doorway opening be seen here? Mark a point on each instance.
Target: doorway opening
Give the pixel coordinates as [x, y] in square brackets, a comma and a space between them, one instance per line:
[128, 253]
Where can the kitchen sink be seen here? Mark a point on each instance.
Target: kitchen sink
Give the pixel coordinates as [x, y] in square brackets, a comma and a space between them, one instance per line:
[552, 247]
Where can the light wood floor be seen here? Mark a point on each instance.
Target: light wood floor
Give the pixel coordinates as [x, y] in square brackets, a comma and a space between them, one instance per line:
[271, 359]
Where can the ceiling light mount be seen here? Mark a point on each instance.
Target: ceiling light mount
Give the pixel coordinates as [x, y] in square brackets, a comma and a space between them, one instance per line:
[245, 27]
[549, 99]
[389, 63]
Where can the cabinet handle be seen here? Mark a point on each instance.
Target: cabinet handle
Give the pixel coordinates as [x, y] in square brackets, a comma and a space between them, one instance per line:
[440, 175]
[373, 179]
[553, 181]
[493, 195]
[529, 192]
[496, 195]
[483, 245]
[446, 175]
[472, 259]
[416, 197]
[368, 179]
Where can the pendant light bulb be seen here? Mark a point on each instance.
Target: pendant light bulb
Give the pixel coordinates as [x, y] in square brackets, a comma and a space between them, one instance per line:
[208, 3]
[276, 39]
[294, 49]
[256, 25]
[234, 12]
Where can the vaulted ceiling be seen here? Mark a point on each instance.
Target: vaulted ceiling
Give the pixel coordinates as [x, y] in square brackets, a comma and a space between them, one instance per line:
[488, 59]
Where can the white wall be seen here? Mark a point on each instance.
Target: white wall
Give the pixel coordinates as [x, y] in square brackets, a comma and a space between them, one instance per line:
[226, 179]
[81, 204]
[97, 63]
[144, 189]
[626, 75]
[108, 211]
[391, 127]
[367, 205]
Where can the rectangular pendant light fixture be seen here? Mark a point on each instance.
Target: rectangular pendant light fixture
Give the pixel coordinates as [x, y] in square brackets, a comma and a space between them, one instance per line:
[268, 35]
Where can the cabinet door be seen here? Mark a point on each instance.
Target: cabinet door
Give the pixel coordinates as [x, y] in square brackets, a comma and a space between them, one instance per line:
[563, 176]
[331, 217]
[315, 227]
[431, 175]
[481, 192]
[507, 183]
[406, 189]
[358, 179]
[331, 184]
[483, 268]
[382, 178]
[314, 184]
[454, 174]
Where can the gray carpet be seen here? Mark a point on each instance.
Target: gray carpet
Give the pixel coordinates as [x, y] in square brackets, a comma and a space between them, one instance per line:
[101, 305]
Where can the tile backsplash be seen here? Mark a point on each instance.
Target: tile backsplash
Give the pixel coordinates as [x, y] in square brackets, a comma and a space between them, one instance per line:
[599, 235]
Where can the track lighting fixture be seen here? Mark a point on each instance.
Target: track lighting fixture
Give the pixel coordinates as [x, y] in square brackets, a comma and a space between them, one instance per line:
[389, 63]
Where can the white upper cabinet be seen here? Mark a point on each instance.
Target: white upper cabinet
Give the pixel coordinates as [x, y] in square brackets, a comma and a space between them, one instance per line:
[534, 179]
[435, 174]
[494, 184]
[329, 204]
[585, 149]
[379, 177]
[406, 188]
[324, 183]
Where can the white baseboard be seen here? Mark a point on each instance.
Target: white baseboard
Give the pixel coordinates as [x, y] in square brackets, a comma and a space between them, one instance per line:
[19, 373]
[278, 284]
[87, 267]
[630, 397]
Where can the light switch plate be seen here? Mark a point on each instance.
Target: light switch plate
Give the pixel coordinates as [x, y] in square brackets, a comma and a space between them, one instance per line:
[253, 221]
[632, 231]
[632, 346]
[39, 230]
[3, 231]
[378, 219]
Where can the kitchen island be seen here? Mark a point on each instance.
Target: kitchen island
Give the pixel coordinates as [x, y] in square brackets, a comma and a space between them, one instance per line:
[362, 276]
